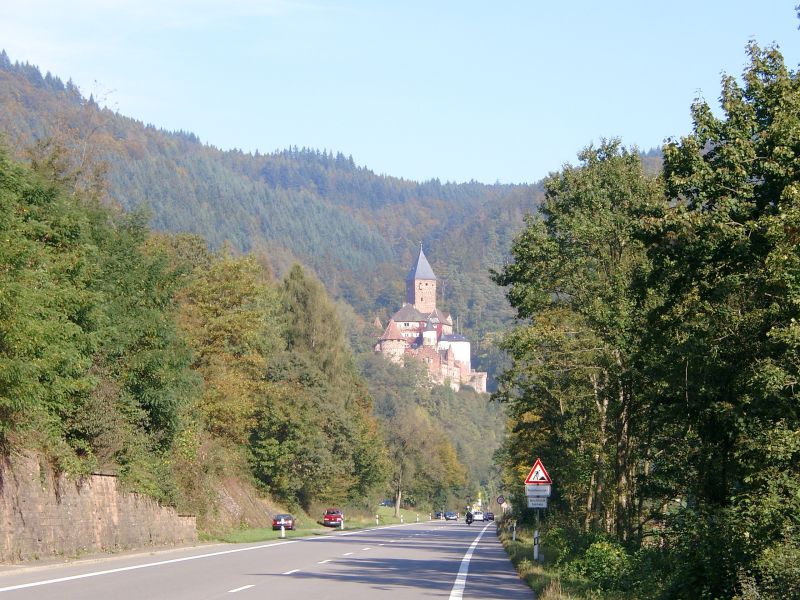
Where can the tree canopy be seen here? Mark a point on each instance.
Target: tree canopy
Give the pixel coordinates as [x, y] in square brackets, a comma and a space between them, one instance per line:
[655, 362]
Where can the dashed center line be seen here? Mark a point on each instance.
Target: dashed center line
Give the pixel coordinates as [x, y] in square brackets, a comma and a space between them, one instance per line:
[347, 554]
[291, 572]
[367, 548]
[239, 589]
[327, 560]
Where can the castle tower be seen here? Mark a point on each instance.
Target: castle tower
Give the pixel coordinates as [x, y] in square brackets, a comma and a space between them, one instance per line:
[421, 285]
[392, 343]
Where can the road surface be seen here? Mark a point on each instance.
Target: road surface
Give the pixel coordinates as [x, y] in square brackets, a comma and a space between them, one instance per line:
[420, 560]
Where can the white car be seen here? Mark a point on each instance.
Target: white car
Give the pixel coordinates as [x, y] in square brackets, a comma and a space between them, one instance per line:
[477, 515]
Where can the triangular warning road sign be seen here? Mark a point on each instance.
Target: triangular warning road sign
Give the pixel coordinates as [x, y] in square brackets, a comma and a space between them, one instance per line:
[538, 474]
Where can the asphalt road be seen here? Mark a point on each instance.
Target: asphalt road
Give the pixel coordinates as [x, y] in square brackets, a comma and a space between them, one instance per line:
[420, 560]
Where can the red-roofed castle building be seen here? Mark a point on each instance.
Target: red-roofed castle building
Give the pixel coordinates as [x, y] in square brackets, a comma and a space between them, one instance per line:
[422, 331]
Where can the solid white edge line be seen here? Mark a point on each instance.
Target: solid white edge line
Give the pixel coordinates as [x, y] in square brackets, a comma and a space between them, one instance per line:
[461, 579]
[239, 589]
[177, 560]
[144, 566]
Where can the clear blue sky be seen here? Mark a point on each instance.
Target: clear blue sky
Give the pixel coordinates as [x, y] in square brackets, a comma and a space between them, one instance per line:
[459, 90]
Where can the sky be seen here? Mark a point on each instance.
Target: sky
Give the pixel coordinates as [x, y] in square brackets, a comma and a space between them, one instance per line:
[458, 90]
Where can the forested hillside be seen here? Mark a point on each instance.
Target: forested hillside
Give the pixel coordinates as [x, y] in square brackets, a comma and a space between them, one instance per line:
[177, 358]
[458, 427]
[172, 365]
[356, 230]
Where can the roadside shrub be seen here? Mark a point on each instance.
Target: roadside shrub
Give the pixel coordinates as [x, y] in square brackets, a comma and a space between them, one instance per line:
[649, 570]
[779, 570]
[606, 564]
[558, 544]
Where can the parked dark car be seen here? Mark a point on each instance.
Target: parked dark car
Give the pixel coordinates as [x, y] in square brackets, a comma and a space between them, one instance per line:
[450, 516]
[439, 515]
[284, 519]
[489, 516]
[333, 517]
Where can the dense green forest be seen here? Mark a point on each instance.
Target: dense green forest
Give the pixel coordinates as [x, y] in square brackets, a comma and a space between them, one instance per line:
[168, 363]
[175, 365]
[424, 415]
[255, 216]
[355, 230]
[655, 362]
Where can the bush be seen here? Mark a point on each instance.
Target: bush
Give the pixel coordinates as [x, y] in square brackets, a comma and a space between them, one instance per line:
[606, 564]
[558, 544]
[649, 572]
[779, 570]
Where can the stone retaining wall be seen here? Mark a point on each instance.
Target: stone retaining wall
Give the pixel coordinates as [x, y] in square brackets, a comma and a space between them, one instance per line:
[42, 515]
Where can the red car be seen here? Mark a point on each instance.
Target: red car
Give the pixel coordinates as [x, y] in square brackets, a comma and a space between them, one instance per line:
[333, 517]
[284, 519]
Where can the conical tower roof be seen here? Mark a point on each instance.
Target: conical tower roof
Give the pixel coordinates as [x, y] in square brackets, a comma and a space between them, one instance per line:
[392, 332]
[421, 269]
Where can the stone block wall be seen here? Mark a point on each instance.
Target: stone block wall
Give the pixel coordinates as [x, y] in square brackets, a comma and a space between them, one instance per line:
[45, 516]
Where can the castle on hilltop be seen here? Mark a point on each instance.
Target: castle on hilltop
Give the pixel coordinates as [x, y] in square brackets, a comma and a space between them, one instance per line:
[422, 331]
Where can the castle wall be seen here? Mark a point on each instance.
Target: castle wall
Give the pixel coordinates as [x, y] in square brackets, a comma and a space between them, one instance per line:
[477, 381]
[461, 351]
[393, 350]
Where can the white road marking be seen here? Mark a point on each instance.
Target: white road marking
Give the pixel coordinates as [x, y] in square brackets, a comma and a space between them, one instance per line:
[367, 548]
[291, 572]
[244, 587]
[381, 544]
[327, 560]
[461, 579]
[177, 560]
[144, 566]
[347, 554]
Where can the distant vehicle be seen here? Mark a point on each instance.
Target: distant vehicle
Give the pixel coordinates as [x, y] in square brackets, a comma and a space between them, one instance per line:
[477, 515]
[450, 516]
[488, 516]
[285, 519]
[387, 502]
[439, 515]
[333, 517]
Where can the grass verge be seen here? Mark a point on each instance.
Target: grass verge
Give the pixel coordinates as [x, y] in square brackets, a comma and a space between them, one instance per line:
[546, 579]
[307, 526]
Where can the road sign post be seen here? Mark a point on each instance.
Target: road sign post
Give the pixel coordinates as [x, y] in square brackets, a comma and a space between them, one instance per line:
[538, 487]
[537, 502]
[538, 475]
[543, 489]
